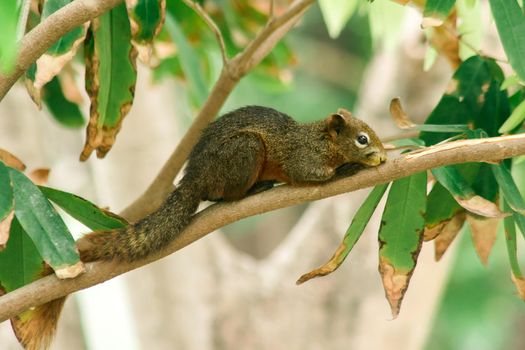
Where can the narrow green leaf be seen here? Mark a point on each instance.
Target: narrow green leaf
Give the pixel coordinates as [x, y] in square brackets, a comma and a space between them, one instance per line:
[386, 18]
[110, 78]
[189, 61]
[510, 239]
[452, 180]
[83, 210]
[64, 111]
[6, 192]
[441, 128]
[510, 22]
[8, 26]
[516, 119]
[356, 228]
[508, 187]
[436, 11]
[470, 28]
[400, 235]
[511, 80]
[336, 14]
[42, 223]
[20, 262]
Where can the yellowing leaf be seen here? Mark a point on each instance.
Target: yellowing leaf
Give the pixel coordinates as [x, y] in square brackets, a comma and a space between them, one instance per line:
[5, 227]
[519, 282]
[10, 160]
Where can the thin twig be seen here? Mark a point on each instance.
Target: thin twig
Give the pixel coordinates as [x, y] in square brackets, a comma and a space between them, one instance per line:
[213, 26]
[271, 13]
[218, 215]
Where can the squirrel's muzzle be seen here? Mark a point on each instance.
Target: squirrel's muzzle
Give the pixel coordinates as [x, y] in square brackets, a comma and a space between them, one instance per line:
[375, 156]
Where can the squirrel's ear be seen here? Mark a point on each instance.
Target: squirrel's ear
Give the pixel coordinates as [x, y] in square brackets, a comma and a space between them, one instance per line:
[335, 123]
[345, 113]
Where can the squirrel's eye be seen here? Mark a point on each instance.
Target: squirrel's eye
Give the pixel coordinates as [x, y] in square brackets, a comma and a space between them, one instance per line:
[362, 140]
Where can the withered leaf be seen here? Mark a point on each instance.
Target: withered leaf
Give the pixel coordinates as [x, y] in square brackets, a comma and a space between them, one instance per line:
[448, 234]
[484, 231]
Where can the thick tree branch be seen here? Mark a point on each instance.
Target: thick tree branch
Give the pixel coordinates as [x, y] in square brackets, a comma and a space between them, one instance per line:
[218, 215]
[35, 43]
[231, 73]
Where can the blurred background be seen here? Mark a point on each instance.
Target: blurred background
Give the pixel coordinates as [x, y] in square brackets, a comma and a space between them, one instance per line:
[235, 289]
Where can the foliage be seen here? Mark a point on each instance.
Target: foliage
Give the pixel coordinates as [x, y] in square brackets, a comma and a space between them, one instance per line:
[175, 42]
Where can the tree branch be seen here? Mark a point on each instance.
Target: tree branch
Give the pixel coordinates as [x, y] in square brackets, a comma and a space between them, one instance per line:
[221, 214]
[230, 75]
[35, 43]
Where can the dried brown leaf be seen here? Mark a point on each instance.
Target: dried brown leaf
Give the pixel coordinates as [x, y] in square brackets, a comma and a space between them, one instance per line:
[48, 66]
[444, 38]
[447, 235]
[398, 114]
[483, 235]
[10, 160]
[395, 284]
[5, 227]
[327, 268]
[39, 176]
[481, 206]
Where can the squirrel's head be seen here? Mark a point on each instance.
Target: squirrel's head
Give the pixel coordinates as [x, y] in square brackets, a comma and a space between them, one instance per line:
[358, 143]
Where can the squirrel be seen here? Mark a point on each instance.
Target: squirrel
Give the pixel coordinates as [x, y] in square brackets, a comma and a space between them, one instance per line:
[245, 151]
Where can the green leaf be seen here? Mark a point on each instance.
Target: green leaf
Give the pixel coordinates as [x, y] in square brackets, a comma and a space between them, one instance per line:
[457, 185]
[508, 187]
[400, 235]
[42, 223]
[510, 22]
[386, 18]
[83, 210]
[8, 42]
[441, 206]
[510, 239]
[20, 261]
[110, 78]
[470, 28]
[336, 14]
[495, 110]
[516, 119]
[447, 128]
[436, 11]
[189, 61]
[511, 80]
[64, 111]
[6, 192]
[359, 222]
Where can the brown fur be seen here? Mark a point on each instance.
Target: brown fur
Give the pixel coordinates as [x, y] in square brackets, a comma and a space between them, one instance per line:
[243, 152]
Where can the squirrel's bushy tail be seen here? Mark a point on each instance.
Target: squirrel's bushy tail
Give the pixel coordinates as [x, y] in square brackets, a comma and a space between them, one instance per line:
[35, 328]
